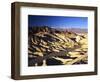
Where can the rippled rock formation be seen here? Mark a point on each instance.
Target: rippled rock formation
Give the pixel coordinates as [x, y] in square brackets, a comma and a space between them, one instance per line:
[49, 46]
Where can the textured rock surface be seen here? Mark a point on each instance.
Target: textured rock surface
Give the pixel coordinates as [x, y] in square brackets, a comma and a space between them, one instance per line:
[49, 46]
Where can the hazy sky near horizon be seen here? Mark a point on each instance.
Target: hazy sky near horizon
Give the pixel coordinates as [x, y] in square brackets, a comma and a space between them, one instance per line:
[58, 21]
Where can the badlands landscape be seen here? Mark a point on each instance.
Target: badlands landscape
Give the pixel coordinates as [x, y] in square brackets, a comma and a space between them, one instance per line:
[49, 46]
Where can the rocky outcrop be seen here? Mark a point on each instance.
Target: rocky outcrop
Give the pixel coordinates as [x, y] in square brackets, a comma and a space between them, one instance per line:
[49, 46]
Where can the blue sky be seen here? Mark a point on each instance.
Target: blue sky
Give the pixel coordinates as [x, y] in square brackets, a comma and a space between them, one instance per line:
[58, 21]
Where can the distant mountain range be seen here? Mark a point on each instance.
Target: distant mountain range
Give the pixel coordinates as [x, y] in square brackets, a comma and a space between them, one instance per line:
[77, 30]
[52, 29]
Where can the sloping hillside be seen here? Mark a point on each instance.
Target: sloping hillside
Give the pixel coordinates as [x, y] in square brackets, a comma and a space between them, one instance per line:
[49, 46]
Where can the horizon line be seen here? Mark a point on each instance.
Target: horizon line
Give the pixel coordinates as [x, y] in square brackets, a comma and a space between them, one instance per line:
[57, 27]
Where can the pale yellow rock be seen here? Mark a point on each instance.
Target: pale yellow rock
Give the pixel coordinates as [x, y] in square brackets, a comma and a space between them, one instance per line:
[44, 43]
[63, 60]
[37, 49]
[74, 54]
[84, 46]
[30, 56]
[64, 46]
[38, 53]
[61, 37]
[42, 49]
[34, 42]
[55, 50]
[77, 59]
[84, 49]
[30, 52]
[83, 41]
[45, 46]
[48, 50]
[36, 64]
[78, 49]
[44, 63]
[78, 38]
